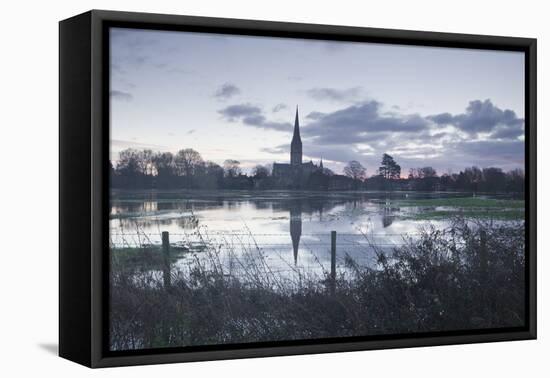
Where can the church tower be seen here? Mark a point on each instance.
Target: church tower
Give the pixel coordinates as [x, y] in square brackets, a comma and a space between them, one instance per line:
[296, 145]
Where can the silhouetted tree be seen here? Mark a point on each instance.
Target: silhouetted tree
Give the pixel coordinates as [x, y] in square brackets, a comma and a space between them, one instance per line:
[129, 162]
[494, 180]
[146, 162]
[515, 181]
[470, 179]
[427, 172]
[209, 176]
[187, 161]
[163, 163]
[146, 169]
[356, 171]
[389, 169]
[327, 172]
[424, 179]
[231, 168]
[260, 171]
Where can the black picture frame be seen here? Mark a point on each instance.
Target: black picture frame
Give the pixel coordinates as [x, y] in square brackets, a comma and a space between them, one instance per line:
[83, 182]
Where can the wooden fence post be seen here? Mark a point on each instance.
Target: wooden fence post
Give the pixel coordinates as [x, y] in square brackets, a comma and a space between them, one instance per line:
[166, 259]
[332, 262]
[483, 255]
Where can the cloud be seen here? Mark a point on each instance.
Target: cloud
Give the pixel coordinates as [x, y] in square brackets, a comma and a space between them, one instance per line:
[341, 154]
[120, 95]
[277, 108]
[364, 131]
[361, 132]
[492, 149]
[505, 154]
[484, 117]
[226, 91]
[443, 118]
[315, 115]
[282, 148]
[335, 95]
[251, 115]
[360, 123]
[234, 112]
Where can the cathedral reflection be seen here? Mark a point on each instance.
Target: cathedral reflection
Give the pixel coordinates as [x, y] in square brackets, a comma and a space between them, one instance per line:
[295, 227]
[388, 216]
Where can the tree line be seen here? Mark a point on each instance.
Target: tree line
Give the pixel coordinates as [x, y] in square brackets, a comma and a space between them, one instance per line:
[186, 169]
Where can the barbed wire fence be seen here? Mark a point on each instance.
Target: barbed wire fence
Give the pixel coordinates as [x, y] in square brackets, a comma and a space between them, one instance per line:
[321, 254]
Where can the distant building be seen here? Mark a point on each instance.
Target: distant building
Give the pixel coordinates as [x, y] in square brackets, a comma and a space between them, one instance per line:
[297, 171]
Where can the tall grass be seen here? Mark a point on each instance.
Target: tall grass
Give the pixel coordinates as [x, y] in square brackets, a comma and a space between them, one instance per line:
[437, 282]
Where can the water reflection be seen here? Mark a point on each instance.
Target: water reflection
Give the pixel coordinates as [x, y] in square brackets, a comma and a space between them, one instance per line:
[284, 225]
[295, 227]
[388, 215]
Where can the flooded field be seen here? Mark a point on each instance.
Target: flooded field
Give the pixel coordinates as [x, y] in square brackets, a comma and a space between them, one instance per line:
[248, 267]
[292, 229]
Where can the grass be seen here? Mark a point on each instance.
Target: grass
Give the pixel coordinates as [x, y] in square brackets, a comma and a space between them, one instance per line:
[467, 207]
[150, 256]
[494, 214]
[445, 280]
[462, 202]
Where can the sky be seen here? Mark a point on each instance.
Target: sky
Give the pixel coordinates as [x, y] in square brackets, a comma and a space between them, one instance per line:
[235, 97]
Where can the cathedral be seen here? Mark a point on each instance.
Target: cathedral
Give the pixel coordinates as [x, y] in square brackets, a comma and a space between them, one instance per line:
[296, 171]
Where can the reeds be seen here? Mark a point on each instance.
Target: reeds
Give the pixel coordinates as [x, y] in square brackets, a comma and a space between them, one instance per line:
[451, 279]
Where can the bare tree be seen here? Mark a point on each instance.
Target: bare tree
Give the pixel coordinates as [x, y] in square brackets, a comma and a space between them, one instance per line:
[260, 171]
[163, 163]
[129, 162]
[188, 161]
[146, 162]
[231, 168]
[355, 170]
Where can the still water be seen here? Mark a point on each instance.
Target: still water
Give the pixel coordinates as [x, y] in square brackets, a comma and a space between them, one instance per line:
[292, 230]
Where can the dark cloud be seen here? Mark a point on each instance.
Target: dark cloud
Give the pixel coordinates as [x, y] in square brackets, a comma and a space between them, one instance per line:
[277, 108]
[315, 115]
[364, 131]
[234, 112]
[120, 95]
[252, 115]
[492, 148]
[508, 132]
[226, 91]
[337, 95]
[360, 123]
[443, 118]
[484, 116]
[506, 154]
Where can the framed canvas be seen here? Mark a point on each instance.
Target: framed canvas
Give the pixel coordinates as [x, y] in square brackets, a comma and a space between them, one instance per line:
[234, 188]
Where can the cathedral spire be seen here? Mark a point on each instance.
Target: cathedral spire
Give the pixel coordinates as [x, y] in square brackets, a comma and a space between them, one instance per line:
[296, 144]
[296, 127]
